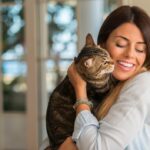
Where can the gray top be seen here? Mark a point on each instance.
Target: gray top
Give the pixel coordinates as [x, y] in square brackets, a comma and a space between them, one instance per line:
[126, 126]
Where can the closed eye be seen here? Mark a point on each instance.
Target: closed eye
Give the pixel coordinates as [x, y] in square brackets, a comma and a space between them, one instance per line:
[121, 46]
[140, 50]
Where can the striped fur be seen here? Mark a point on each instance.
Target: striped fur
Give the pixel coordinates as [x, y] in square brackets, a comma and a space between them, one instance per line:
[94, 65]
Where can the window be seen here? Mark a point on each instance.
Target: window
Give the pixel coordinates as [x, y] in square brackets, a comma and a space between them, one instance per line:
[62, 38]
[13, 65]
[38, 39]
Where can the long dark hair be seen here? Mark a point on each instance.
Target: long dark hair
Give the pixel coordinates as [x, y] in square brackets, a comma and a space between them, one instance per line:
[126, 14]
[118, 17]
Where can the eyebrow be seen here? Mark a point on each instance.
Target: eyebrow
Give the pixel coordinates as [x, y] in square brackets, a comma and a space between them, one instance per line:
[128, 39]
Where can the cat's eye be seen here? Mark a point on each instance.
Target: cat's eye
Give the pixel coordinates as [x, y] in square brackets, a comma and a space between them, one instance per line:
[106, 62]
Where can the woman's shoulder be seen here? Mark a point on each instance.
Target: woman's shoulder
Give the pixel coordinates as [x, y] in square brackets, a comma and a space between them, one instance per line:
[136, 89]
[140, 80]
[143, 75]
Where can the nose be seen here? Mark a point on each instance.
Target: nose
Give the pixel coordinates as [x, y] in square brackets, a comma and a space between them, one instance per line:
[130, 51]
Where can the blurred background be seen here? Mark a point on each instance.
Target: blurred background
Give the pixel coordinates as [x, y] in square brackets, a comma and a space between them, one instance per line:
[38, 41]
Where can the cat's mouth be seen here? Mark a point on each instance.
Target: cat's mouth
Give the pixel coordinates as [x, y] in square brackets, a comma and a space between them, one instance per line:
[110, 69]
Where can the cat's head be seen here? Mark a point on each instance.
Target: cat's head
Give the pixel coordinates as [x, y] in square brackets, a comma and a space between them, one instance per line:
[94, 63]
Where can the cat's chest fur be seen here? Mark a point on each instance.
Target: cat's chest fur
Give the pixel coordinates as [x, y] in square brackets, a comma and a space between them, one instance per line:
[94, 65]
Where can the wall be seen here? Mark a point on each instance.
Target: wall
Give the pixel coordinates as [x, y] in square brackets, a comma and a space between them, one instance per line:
[144, 4]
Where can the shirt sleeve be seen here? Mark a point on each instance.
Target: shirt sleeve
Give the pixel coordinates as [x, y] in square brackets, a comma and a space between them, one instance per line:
[122, 123]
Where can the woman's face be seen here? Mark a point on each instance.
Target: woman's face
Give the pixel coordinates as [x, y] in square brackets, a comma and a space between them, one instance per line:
[128, 50]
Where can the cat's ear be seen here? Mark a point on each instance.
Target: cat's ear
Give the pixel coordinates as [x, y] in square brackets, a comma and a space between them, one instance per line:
[89, 40]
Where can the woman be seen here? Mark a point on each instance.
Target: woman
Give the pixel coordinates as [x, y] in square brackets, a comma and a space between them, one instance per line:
[125, 124]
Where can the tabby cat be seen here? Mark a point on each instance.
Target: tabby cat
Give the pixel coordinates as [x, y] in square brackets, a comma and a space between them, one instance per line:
[94, 65]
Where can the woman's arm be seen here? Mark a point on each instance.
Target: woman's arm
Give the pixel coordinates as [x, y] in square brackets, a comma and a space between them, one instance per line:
[80, 87]
[122, 123]
[68, 145]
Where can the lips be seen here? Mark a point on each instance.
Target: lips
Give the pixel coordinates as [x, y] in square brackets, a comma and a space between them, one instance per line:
[127, 66]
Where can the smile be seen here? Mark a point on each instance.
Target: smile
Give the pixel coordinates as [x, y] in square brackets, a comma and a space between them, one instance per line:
[126, 65]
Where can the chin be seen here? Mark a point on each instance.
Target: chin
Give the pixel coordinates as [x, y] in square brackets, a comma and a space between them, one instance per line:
[121, 76]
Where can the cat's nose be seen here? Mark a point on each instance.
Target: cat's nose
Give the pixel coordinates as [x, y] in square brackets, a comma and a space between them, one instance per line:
[112, 62]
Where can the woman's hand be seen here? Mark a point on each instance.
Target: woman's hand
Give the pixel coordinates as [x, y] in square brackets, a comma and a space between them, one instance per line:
[68, 145]
[78, 83]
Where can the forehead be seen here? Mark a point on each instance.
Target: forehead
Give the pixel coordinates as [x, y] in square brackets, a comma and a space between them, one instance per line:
[130, 31]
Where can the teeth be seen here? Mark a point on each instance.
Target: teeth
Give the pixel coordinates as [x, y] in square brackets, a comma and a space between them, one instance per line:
[125, 64]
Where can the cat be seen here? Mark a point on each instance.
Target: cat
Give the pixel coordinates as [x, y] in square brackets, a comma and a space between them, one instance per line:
[94, 65]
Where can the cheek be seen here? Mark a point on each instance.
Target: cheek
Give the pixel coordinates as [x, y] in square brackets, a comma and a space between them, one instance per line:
[114, 53]
[111, 48]
[142, 59]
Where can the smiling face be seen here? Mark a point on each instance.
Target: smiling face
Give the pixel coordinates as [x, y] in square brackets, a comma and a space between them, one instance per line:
[128, 50]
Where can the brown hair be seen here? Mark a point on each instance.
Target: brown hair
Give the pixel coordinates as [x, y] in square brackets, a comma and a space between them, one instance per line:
[118, 17]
